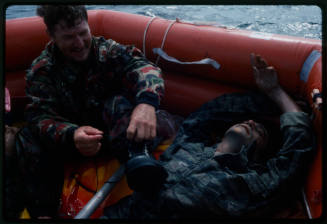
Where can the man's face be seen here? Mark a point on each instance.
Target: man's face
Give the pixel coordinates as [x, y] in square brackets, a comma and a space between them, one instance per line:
[74, 42]
[251, 131]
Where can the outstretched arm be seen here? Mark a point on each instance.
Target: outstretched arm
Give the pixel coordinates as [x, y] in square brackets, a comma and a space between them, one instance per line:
[267, 81]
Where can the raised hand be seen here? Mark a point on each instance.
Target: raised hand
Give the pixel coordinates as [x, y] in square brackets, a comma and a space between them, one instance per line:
[265, 76]
[267, 81]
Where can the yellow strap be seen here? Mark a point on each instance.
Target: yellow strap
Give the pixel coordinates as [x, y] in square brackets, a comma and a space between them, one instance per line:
[25, 214]
[162, 147]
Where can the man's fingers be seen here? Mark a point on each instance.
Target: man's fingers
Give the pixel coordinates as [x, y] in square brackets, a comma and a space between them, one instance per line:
[143, 120]
[153, 133]
[130, 132]
[257, 61]
[92, 131]
[90, 139]
[271, 68]
[95, 138]
[140, 133]
[90, 149]
[256, 73]
[252, 59]
[87, 140]
[261, 62]
[98, 147]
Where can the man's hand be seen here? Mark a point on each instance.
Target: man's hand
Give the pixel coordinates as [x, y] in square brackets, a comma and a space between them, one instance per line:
[87, 140]
[143, 124]
[266, 79]
[265, 76]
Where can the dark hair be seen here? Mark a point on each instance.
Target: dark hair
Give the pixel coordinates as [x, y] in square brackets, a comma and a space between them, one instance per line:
[275, 138]
[53, 14]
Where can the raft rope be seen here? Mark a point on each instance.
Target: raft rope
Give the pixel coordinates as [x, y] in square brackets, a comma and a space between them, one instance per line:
[164, 38]
[306, 204]
[145, 32]
[163, 54]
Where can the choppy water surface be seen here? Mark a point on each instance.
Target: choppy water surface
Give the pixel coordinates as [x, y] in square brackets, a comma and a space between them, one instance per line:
[294, 20]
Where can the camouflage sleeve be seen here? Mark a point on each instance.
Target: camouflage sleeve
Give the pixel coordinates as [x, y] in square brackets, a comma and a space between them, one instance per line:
[41, 112]
[139, 75]
[226, 193]
[288, 167]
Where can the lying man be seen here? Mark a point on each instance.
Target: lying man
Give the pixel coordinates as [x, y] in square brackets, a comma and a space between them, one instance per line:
[238, 175]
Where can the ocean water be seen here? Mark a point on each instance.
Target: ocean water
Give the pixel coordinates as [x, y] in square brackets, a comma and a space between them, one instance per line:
[294, 20]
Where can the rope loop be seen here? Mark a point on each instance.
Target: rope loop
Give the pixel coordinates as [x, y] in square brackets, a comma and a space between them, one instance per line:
[145, 32]
[164, 38]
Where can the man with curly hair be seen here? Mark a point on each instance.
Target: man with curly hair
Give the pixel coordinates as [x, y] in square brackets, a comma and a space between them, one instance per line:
[88, 95]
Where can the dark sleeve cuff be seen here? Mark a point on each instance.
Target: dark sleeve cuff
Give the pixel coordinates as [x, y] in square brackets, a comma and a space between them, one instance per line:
[70, 139]
[149, 98]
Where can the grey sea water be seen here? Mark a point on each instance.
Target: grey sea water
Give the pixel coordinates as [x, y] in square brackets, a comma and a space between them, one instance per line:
[294, 20]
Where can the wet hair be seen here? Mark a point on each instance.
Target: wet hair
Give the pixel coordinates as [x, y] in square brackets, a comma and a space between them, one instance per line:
[274, 141]
[53, 14]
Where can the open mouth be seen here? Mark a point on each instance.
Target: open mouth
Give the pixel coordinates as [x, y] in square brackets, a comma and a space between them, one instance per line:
[78, 50]
[79, 53]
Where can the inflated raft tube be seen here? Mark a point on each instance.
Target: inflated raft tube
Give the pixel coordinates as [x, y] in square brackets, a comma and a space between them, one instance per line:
[297, 60]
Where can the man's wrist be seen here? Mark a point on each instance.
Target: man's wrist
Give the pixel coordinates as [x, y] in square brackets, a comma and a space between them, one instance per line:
[275, 93]
[283, 100]
[149, 98]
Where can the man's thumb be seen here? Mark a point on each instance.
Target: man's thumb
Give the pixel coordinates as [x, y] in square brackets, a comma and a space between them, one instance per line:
[92, 131]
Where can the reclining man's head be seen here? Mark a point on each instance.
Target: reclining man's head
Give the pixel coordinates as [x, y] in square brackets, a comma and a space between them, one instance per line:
[68, 27]
[244, 133]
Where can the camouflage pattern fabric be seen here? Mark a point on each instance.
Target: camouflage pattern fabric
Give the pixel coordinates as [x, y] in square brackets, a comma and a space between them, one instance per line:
[207, 185]
[101, 93]
[67, 95]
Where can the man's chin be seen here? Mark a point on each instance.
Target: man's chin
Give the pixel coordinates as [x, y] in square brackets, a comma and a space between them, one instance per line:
[79, 59]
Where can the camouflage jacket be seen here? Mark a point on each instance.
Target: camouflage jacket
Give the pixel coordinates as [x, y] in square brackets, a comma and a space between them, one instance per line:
[205, 184]
[65, 95]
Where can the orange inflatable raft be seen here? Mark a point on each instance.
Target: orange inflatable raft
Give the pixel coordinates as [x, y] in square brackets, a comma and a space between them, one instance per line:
[188, 85]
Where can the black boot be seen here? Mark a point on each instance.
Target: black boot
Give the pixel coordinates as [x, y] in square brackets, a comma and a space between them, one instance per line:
[143, 172]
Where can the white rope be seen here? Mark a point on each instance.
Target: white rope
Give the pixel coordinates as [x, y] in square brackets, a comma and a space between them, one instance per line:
[306, 204]
[162, 54]
[145, 32]
[164, 38]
